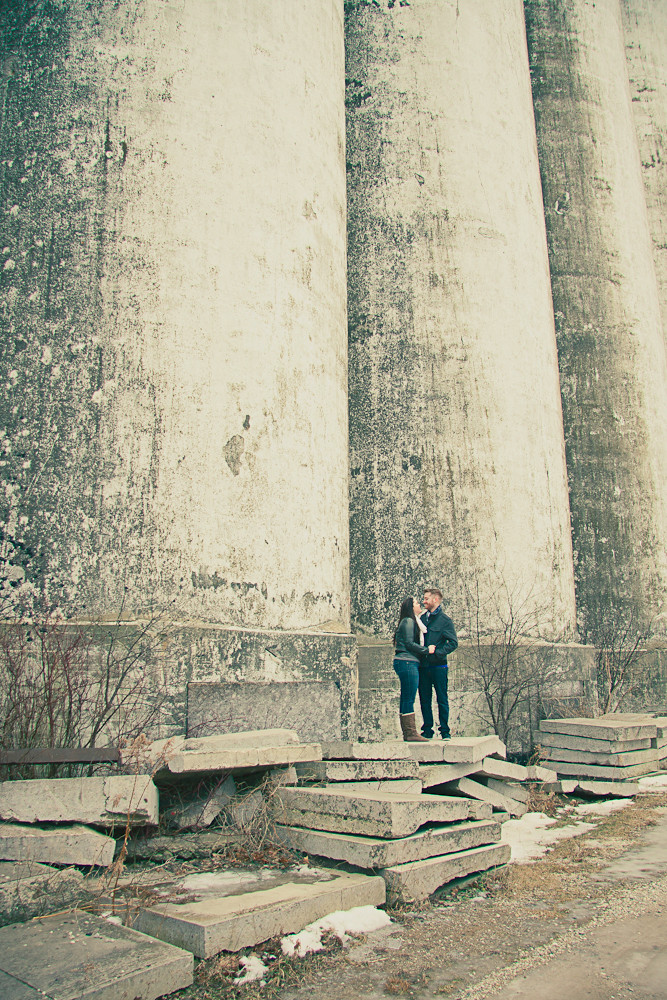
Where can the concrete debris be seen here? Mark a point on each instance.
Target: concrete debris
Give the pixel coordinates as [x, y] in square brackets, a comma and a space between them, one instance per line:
[459, 750]
[62, 845]
[201, 809]
[111, 801]
[613, 747]
[29, 889]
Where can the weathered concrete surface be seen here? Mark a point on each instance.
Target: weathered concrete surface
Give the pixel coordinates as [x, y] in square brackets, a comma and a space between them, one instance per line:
[64, 845]
[29, 889]
[606, 773]
[492, 768]
[373, 852]
[77, 955]
[311, 708]
[158, 460]
[494, 796]
[418, 879]
[622, 758]
[347, 750]
[222, 753]
[110, 801]
[229, 917]
[459, 749]
[511, 789]
[619, 789]
[411, 785]
[438, 774]
[606, 307]
[614, 729]
[358, 770]
[586, 743]
[450, 320]
[375, 814]
[538, 773]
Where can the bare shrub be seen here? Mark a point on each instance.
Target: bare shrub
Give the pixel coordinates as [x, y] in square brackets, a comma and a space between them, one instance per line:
[620, 637]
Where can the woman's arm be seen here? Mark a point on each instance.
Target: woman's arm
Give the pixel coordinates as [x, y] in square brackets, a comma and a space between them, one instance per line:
[407, 633]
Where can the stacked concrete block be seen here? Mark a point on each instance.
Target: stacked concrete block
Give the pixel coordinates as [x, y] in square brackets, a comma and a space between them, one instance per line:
[354, 807]
[610, 748]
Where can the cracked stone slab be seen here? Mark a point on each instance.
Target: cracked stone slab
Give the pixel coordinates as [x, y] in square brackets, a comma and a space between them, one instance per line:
[620, 758]
[201, 756]
[605, 773]
[586, 743]
[493, 768]
[494, 797]
[439, 774]
[358, 770]
[63, 845]
[375, 814]
[418, 879]
[345, 750]
[458, 750]
[375, 852]
[618, 789]
[77, 955]
[231, 913]
[412, 786]
[604, 728]
[107, 801]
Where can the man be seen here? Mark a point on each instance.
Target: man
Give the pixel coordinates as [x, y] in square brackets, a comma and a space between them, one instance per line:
[433, 670]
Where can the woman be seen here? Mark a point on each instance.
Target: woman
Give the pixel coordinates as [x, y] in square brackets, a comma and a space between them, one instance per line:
[407, 654]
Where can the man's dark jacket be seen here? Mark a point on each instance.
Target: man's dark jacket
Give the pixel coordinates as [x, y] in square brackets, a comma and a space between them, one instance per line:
[440, 632]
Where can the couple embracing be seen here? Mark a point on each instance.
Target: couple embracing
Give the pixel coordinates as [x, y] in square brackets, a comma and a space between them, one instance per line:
[422, 643]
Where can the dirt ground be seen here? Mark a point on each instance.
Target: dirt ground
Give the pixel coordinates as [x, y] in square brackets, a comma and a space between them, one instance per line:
[480, 938]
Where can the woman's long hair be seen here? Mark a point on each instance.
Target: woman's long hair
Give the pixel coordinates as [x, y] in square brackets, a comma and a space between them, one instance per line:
[407, 611]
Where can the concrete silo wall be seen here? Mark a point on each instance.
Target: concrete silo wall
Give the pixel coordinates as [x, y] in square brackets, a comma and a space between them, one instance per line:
[173, 302]
[456, 438]
[645, 31]
[610, 344]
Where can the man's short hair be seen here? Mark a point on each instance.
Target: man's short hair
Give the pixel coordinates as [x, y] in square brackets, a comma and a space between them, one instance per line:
[432, 590]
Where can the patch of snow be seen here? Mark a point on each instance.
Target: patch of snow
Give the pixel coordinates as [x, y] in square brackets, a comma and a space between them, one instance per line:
[653, 783]
[604, 808]
[254, 970]
[358, 920]
[530, 837]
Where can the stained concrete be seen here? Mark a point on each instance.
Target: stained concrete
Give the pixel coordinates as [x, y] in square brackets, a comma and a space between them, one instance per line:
[109, 801]
[358, 770]
[418, 879]
[605, 773]
[238, 910]
[64, 845]
[588, 744]
[347, 750]
[609, 728]
[78, 956]
[458, 750]
[373, 852]
[623, 758]
[438, 774]
[375, 814]
[495, 797]
[210, 754]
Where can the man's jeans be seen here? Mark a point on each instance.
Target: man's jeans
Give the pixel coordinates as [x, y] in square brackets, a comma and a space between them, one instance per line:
[429, 678]
[408, 675]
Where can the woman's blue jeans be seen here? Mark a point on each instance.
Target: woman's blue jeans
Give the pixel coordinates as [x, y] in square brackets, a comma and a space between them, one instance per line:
[408, 675]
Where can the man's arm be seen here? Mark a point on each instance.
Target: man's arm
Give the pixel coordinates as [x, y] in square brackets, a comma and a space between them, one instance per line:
[447, 641]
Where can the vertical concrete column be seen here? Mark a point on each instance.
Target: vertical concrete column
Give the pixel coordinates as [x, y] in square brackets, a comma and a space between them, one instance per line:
[610, 344]
[457, 458]
[175, 305]
[645, 32]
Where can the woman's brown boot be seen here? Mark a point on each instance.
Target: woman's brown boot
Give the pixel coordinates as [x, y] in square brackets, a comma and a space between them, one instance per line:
[409, 729]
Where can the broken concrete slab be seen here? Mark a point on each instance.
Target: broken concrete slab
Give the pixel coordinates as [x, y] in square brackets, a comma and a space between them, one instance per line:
[621, 758]
[602, 789]
[412, 786]
[564, 787]
[108, 801]
[418, 879]
[346, 750]
[458, 750]
[604, 728]
[605, 773]
[491, 767]
[63, 845]
[357, 770]
[375, 814]
[374, 852]
[201, 809]
[509, 788]
[536, 772]
[230, 914]
[438, 774]
[77, 955]
[210, 754]
[586, 743]
[29, 889]
[495, 798]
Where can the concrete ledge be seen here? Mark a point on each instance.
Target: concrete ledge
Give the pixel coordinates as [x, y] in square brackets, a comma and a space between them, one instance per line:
[229, 923]
[458, 750]
[418, 879]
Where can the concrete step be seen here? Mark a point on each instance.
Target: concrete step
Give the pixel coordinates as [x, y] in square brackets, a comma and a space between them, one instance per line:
[418, 879]
[374, 814]
[238, 910]
[73, 956]
[458, 750]
[374, 852]
[357, 770]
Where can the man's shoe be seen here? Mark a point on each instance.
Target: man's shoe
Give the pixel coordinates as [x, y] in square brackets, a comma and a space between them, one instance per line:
[427, 736]
[447, 737]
